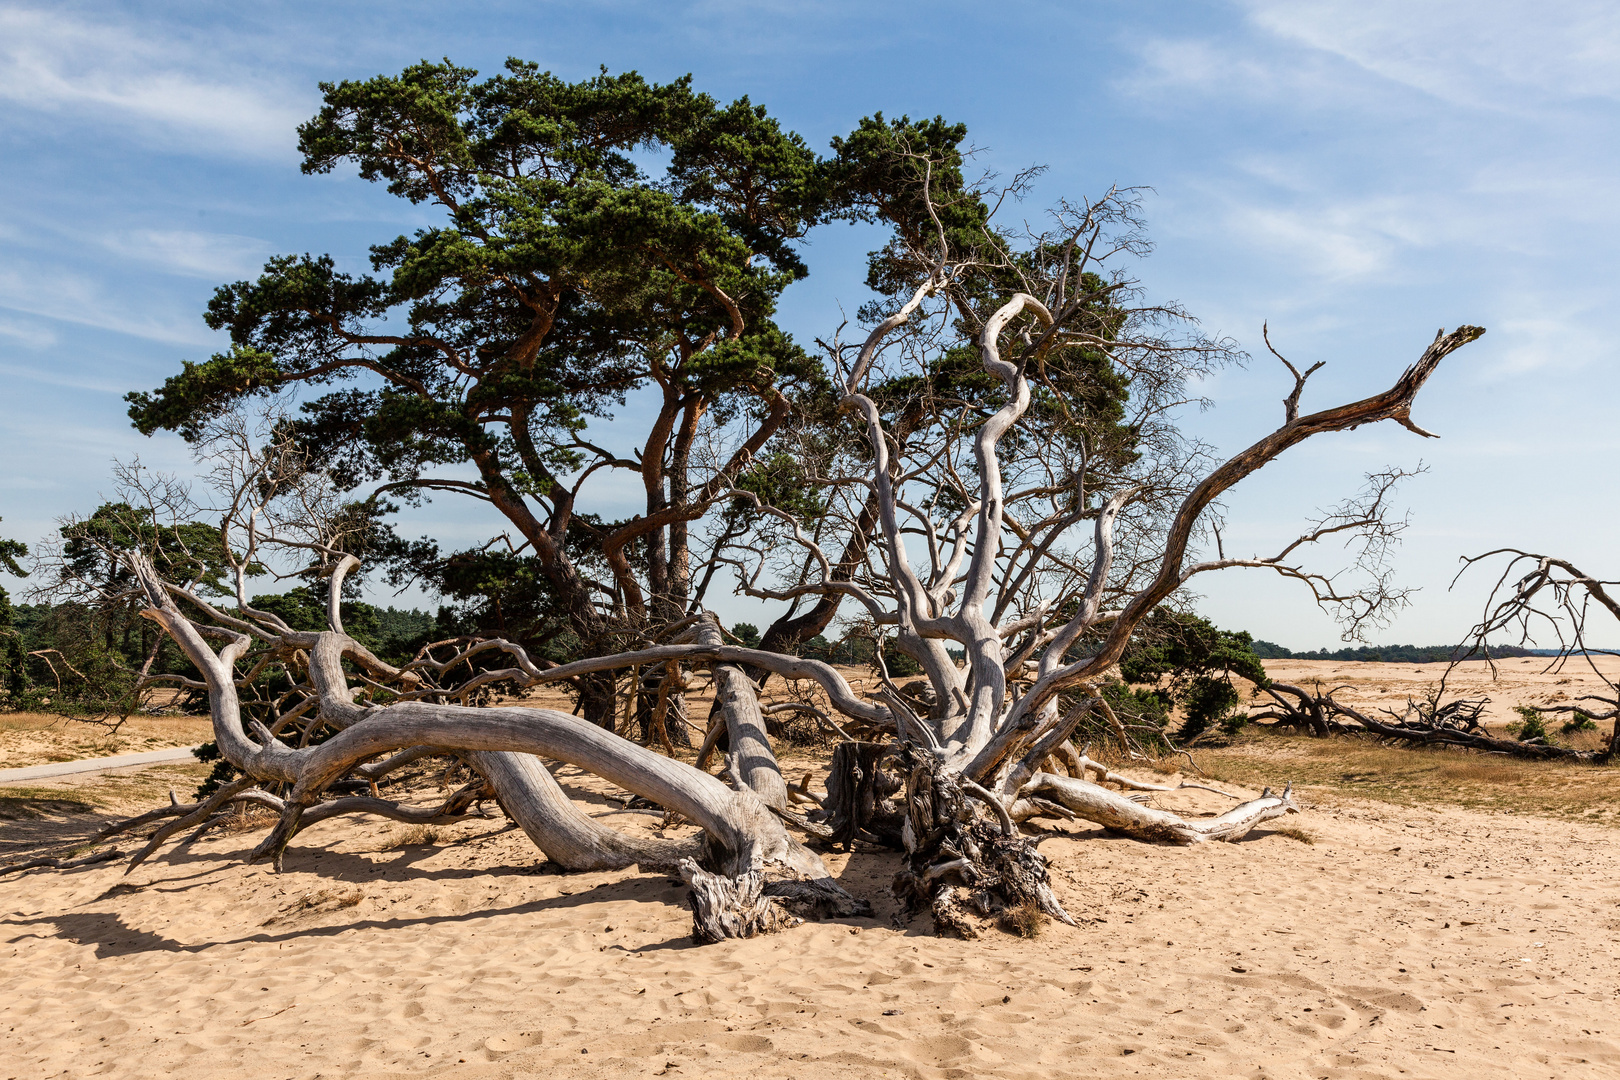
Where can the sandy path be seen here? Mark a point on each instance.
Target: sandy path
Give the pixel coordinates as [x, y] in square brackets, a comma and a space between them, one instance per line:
[28, 739]
[96, 764]
[1415, 943]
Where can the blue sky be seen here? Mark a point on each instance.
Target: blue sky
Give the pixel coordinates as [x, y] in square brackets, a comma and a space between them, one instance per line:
[1359, 174]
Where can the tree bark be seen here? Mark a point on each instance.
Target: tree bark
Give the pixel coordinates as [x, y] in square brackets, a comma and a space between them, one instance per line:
[749, 752]
[1112, 810]
[537, 803]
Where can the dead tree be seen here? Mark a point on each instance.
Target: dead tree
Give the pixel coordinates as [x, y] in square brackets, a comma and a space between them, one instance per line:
[1431, 722]
[1532, 591]
[1038, 616]
[961, 557]
[1552, 594]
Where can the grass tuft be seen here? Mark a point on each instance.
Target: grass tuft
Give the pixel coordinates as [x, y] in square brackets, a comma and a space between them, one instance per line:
[411, 836]
[1024, 920]
[319, 901]
[250, 821]
[1294, 832]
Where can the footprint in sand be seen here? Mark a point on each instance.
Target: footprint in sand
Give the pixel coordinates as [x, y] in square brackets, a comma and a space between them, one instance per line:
[512, 1040]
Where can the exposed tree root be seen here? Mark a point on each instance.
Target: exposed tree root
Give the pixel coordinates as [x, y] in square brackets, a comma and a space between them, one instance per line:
[748, 905]
[732, 907]
[857, 788]
[962, 867]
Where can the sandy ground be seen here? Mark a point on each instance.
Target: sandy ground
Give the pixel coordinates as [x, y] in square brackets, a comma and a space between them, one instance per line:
[37, 738]
[1403, 942]
[1407, 940]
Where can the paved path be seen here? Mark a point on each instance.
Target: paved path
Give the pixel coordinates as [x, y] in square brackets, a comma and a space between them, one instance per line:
[121, 761]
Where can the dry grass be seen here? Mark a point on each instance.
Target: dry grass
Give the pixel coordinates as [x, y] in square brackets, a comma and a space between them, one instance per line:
[68, 808]
[411, 836]
[1408, 777]
[317, 902]
[132, 789]
[1025, 920]
[250, 821]
[336, 897]
[1294, 832]
[32, 804]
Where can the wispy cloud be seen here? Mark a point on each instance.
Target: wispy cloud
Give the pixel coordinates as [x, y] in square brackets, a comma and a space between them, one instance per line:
[19, 482]
[1548, 333]
[212, 256]
[1521, 58]
[68, 378]
[1334, 243]
[1194, 73]
[126, 77]
[1523, 54]
[61, 294]
[31, 335]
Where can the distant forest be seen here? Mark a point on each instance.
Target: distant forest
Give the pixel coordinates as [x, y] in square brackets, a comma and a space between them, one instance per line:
[67, 658]
[1396, 654]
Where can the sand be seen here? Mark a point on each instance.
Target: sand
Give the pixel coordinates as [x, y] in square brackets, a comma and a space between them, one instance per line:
[1403, 942]
[1407, 940]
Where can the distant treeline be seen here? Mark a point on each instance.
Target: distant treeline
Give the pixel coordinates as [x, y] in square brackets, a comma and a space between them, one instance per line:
[70, 658]
[1397, 654]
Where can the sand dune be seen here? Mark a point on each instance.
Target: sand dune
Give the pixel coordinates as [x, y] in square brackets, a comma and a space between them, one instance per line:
[1532, 681]
[1402, 943]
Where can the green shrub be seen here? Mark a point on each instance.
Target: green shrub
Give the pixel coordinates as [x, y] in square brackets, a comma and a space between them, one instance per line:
[224, 772]
[1145, 712]
[1206, 702]
[1533, 725]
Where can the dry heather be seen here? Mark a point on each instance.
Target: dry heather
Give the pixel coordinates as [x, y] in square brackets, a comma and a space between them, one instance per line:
[1361, 768]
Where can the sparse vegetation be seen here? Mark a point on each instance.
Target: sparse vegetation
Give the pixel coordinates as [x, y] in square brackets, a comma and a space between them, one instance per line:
[411, 836]
[33, 738]
[315, 902]
[1023, 920]
[248, 820]
[1363, 768]
[1531, 725]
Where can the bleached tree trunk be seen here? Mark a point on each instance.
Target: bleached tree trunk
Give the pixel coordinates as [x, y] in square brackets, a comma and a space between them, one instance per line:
[743, 839]
[568, 837]
[983, 744]
[751, 758]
